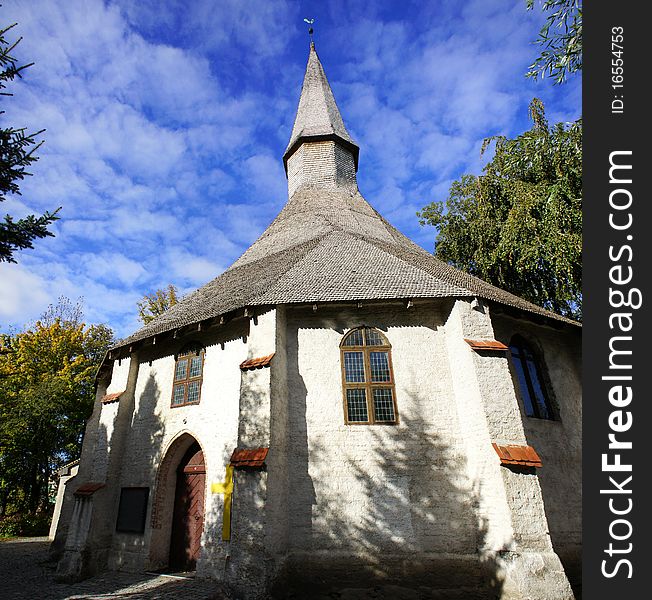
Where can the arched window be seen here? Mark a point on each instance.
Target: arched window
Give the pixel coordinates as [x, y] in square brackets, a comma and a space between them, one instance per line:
[530, 380]
[188, 373]
[367, 378]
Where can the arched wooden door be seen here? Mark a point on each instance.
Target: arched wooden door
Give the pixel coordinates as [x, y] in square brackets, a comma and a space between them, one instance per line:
[188, 516]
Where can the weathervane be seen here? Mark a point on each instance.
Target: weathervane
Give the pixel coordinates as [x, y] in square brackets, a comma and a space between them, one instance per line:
[310, 29]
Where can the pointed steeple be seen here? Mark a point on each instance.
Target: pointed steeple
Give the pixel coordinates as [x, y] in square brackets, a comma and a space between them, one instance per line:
[318, 118]
[327, 244]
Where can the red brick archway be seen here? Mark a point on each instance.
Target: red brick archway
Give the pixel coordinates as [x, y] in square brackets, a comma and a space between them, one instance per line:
[163, 500]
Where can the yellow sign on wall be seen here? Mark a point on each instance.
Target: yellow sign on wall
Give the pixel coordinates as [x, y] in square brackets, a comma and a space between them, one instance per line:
[225, 488]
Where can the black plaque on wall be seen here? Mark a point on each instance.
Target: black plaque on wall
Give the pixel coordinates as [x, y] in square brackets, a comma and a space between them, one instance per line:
[132, 510]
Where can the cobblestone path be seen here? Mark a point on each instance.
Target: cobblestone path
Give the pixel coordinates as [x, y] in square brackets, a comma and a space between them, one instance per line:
[26, 574]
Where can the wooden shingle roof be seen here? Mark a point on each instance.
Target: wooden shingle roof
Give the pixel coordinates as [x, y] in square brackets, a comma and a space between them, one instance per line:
[327, 244]
[318, 116]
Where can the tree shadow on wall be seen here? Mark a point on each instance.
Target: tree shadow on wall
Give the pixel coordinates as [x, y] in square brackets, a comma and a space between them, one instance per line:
[144, 432]
[385, 510]
[96, 540]
[217, 451]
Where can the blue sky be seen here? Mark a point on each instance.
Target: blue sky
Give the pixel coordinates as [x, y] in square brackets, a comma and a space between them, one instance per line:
[166, 122]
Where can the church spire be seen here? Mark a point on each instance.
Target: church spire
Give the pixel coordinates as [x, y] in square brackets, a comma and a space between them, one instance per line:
[318, 119]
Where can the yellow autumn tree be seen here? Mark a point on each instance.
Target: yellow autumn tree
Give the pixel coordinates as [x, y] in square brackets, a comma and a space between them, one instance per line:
[155, 304]
[46, 394]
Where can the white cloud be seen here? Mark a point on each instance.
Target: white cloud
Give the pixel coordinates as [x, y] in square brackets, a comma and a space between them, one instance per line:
[189, 269]
[22, 294]
[166, 120]
[265, 176]
[109, 267]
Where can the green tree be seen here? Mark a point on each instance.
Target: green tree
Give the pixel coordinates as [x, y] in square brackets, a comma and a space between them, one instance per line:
[17, 148]
[560, 39]
[46, 394]
[519, 225]
[153, 305]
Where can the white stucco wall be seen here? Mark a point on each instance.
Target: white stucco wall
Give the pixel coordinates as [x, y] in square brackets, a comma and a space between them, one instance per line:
[119, 376]
[100, 425]
[510, 500]
[106, 427]
[558, 442]
[475, 414]
[425, 494]
[65, 477]
[154, 427]
[359, 488]
[430, 487]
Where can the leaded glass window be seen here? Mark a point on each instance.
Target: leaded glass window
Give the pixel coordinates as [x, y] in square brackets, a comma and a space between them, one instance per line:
[356, 404]
[374, 338]
[383, 405]
[188, 373]
[195, 366]
[193, 391]
[379, 364]
[354, 366]
[181, 371]
[354, 338]
[367, 377]
[178, 395]
[529, 373]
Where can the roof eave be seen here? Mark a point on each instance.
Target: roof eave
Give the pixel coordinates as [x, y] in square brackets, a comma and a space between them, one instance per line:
[536, 314]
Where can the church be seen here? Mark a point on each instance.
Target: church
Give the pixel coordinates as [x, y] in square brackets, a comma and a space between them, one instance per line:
[338, 409]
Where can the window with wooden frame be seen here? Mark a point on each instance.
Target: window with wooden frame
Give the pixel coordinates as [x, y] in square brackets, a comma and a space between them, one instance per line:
[529, 374]
[188, 374]
[368, 378]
